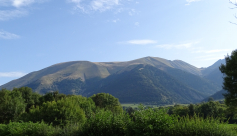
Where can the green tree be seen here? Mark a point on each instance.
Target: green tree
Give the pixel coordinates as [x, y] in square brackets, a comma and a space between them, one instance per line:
[30, 98]
[11, 105]
[107, 101]
[230, 79]
[62, 112]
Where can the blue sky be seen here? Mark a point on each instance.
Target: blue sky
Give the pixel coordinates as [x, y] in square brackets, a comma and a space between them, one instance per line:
[35, 34]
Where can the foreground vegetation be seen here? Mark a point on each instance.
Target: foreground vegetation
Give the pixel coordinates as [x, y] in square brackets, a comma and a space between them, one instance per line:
[24, 112]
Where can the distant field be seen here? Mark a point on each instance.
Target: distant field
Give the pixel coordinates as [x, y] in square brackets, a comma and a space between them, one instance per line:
[135, 105]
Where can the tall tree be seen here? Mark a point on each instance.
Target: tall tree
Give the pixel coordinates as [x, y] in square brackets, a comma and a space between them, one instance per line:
[11, 105]
[230, 79]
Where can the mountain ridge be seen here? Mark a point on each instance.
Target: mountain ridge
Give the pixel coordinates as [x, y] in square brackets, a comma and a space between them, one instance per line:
[78, 77]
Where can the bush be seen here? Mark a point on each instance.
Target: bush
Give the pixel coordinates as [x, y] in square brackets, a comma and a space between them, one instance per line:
[197, 126]
[106, 123]
[24, 129]
[61, 113]
[150, 122]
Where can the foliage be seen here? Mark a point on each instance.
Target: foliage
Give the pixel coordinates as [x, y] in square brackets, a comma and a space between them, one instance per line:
[107, 101]
[150, 122]
[197, 126]
[11, 105]
[30, 98]
[106, 123]
[102, 114]
[230, 79]
[62, 112]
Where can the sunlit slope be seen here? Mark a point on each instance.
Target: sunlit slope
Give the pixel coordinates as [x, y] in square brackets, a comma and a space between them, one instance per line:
[76, 76]
[145, 83]
[56, 73]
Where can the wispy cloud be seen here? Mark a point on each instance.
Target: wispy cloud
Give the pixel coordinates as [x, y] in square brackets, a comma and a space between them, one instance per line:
[10, 14]
[96, 5]
[102, 5]
[177, 46]
[210, 57]
[115, 20]
[7, 35]
[132, 12]
[20, 3]
[141, 42]
[212, 51]
[190, 1]
[15, 8]
[12, 74]
[137, 24]
[233, 1]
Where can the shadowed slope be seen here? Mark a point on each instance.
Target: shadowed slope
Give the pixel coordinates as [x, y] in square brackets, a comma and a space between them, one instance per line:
[145, 83]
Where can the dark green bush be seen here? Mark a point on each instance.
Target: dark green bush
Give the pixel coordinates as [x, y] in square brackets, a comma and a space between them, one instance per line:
[61, 113]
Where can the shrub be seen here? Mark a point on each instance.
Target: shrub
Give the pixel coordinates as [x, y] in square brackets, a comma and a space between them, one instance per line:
[150, 122]
[106, 123]
[197, 126]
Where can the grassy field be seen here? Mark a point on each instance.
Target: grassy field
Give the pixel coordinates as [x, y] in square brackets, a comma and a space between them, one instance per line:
[135, 105]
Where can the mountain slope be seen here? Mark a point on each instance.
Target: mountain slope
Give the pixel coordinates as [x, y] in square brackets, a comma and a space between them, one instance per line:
[181, 82]
[213, 73]
[88, 70]
[217, 96]
[145, 83]
[193, 81]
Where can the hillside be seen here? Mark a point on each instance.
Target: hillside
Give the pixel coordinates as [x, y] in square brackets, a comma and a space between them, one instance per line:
[145, 83]
[217, 96]
[84, 77]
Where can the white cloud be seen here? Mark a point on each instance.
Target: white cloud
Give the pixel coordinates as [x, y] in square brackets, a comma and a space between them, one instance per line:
[212, 51]
[97, 5]
[233, 1]
[141, 42]
[102, 5]
[132, 12]
[20, 3]
[115, 20]
[7, 35]
[10, 14]
[190, 1]
[137, 24]
[12, 74]
[210, 57]
[176, 46]
[15, 8]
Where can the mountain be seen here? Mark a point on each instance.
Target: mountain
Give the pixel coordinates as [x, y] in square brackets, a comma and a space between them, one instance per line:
[213, 73]
[181, 82]
[145, 83]
[217, 96]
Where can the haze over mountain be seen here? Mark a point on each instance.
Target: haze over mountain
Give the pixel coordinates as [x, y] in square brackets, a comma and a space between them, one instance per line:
[149, 79]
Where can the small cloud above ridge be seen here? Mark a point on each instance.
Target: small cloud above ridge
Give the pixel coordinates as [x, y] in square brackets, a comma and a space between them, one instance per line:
[177, 46]
[190, 1]
[12, 74]
[7, 35]
[141, 42]
[212, 51]
[10, 14]
[95, 5]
